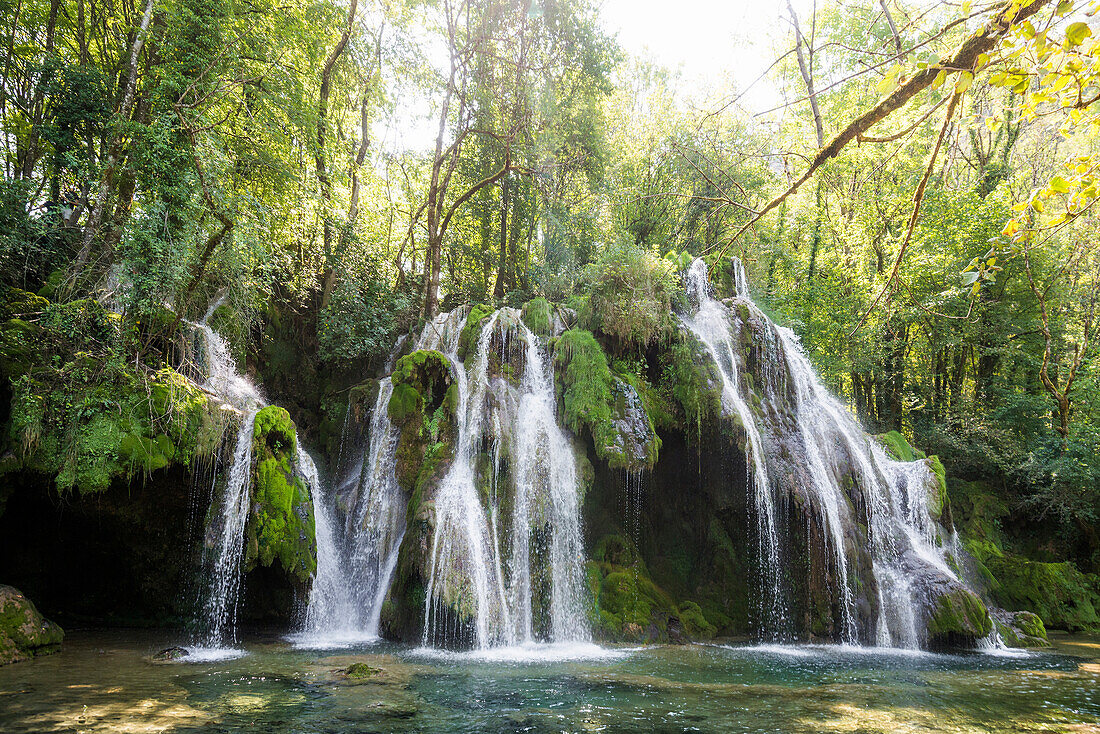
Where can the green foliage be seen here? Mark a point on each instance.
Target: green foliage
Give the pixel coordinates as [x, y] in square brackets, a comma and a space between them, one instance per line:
[85, 417]
[364, 316]
[630, 297]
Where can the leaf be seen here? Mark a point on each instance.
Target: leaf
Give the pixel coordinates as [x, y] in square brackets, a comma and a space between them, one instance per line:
[963, 82]
[1059, 185]
[1077, 33]
[969, 277]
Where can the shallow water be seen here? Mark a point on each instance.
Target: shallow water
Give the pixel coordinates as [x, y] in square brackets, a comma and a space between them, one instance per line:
[106, 681]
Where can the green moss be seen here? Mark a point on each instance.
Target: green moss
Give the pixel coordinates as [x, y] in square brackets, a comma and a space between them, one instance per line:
[1063, 596]
[695, 383]
[595, 399]
[958, 613]
[423, 406]
[405, 404]
[359, 671]
[281, 526]
[695, 623]
[467, 340]
[536, 314]
[898, 447]
[24, 633]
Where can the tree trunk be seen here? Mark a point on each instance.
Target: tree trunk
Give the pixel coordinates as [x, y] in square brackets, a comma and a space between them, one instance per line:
[329, 277]
[95, 217]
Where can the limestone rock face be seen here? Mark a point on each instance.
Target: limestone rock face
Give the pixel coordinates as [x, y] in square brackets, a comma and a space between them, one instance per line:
[24, 633]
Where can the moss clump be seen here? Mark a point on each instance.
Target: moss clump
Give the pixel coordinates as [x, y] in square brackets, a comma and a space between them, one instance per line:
[281, 526]
[1063, 596]
[91, 422]
[423, 407]
[898, 447]
[627, 605]
[80, 411]
[695, 624]
[1020, 629]
[958, 615]
[359, 671]
[24, 633]
[536, 314]
[593, 398]
[630, 299]
[695, 384]
[467, 340]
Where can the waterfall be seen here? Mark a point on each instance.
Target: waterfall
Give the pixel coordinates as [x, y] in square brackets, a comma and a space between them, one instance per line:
[223, 556]
[517, 582]
[220, 610]
[711, 324]
[901, 533]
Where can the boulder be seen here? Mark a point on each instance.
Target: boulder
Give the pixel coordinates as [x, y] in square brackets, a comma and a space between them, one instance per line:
[281, 526]
[24, 633]
[1020, 629]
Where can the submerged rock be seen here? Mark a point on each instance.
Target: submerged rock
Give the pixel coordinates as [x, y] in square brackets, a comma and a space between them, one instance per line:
[24, 633]
[171, 653]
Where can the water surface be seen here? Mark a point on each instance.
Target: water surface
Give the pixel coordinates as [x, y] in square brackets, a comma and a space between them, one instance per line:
[107, 681]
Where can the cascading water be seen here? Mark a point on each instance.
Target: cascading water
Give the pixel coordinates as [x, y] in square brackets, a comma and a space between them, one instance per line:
[224, 547]
[711, 324]
[524, 585]
[220, 608]
[901, 533]
[223, 555]
[345, 601]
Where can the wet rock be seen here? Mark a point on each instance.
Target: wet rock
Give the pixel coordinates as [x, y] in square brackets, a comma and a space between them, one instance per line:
[957, 617]
[24, 633]
[171, 653]
[360, 671]
[1020, 629]
[281, 527]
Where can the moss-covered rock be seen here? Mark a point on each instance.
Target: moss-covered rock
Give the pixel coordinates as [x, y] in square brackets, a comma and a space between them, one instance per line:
[1020, 629]
[467, 340]
[536, 314]
[281, 525]
[91, 422]
[898, 447]
[694, 384]
[627, 605]
[957, 617]
[24, 633]
[939, 503]
[1061, 594]
[595, 399]
[423, 408]
[361, 671]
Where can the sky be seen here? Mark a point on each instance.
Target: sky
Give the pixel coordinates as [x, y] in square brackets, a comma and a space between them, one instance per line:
[711, 42]
[714, 44]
